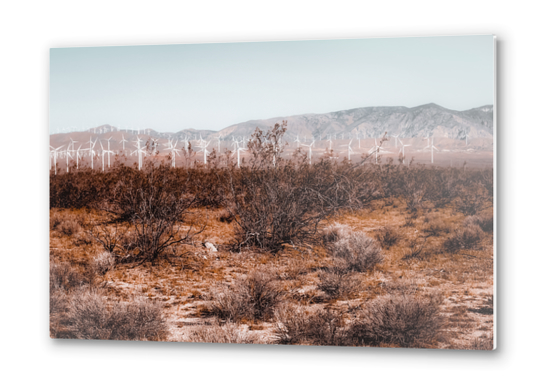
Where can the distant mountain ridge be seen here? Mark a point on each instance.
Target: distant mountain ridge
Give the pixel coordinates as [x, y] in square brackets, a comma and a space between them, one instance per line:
[422, 121]
[367, 122]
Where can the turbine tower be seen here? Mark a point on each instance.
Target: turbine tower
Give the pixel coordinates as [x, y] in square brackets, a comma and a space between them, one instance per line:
[402, 149]
[310, 150]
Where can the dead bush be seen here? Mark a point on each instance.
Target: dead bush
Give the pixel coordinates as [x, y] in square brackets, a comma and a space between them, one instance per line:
[226, 333]
[434, 225]
[294, 325]
[336, 284]
[253, 297]
[403, 320]
[91, 317]
[102, 263]
[68, 227]
[357, 252]
[387, 237]
[334, 232]
[468, 237]
[64, 276]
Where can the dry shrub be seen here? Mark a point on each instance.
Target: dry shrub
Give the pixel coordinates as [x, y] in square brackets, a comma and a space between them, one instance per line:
[387, 237]
[404, 320]
[64, 276]
[226, 333]
[335, 232]
[484, 221]
[253, 297]
[294, 325]
[434, 225]
[356, 252]
[467, 237]
[91, 317]
[337, 285]
[102, 263]
[68, 227]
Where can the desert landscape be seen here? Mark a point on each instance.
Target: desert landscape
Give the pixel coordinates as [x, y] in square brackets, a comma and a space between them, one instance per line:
[379, 235]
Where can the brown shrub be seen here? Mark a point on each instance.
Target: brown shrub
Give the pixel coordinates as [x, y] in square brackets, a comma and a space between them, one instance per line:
[468, 237]
[404, 320]
[337, 285]
[387, 237]
[102, 263]
[64, 276]
[434, 225]
[294, 325]
[253, 297]
[68, 227]
[334, 232]
[485, 343]
[357, 252]
[91, 317]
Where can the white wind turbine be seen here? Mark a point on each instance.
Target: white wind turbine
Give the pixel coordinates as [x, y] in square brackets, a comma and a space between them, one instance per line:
[296, 140]
[55, 152]
[377, 148]
[310, 150]
[77, 155]
[140, 152]
[402, 149]
[238, 149]
[330, 142]
[203, 145]
[91, 152]
[174, 151]
[109, 152]
[349, 149]
[396, 137]
[123, 141]
[432, 147]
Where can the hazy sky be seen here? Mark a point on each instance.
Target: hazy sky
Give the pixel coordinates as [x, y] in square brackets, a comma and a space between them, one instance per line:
[211, 86]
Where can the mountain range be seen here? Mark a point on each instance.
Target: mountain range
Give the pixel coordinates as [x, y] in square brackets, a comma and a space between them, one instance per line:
[422, 121]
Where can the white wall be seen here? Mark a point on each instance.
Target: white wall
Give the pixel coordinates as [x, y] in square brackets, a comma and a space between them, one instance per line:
[29, 29]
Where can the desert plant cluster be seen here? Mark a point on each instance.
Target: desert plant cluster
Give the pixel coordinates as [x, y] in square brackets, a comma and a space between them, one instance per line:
[275, 251]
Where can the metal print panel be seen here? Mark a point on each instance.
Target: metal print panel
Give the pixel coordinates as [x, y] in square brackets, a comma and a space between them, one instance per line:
[326, 193]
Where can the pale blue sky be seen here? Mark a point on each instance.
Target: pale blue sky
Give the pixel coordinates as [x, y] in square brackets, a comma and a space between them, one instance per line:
[211, 86]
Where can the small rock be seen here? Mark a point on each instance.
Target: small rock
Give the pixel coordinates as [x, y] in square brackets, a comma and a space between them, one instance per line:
[210, 246]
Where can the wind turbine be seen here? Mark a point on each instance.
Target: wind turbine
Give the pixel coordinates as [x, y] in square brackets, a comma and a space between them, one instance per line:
[396, 137]
[203, 145]
[310, 151]
[91, 151]
[55, 154]
[330, 142]
[109, 152]
[402, 149]
[432, 147]
[466, 139]
[140, 151]
[77, 155]
[238, 149]
[349, 149]
[297, 140]
[174, 151]
[123, 141]
[378, 148]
